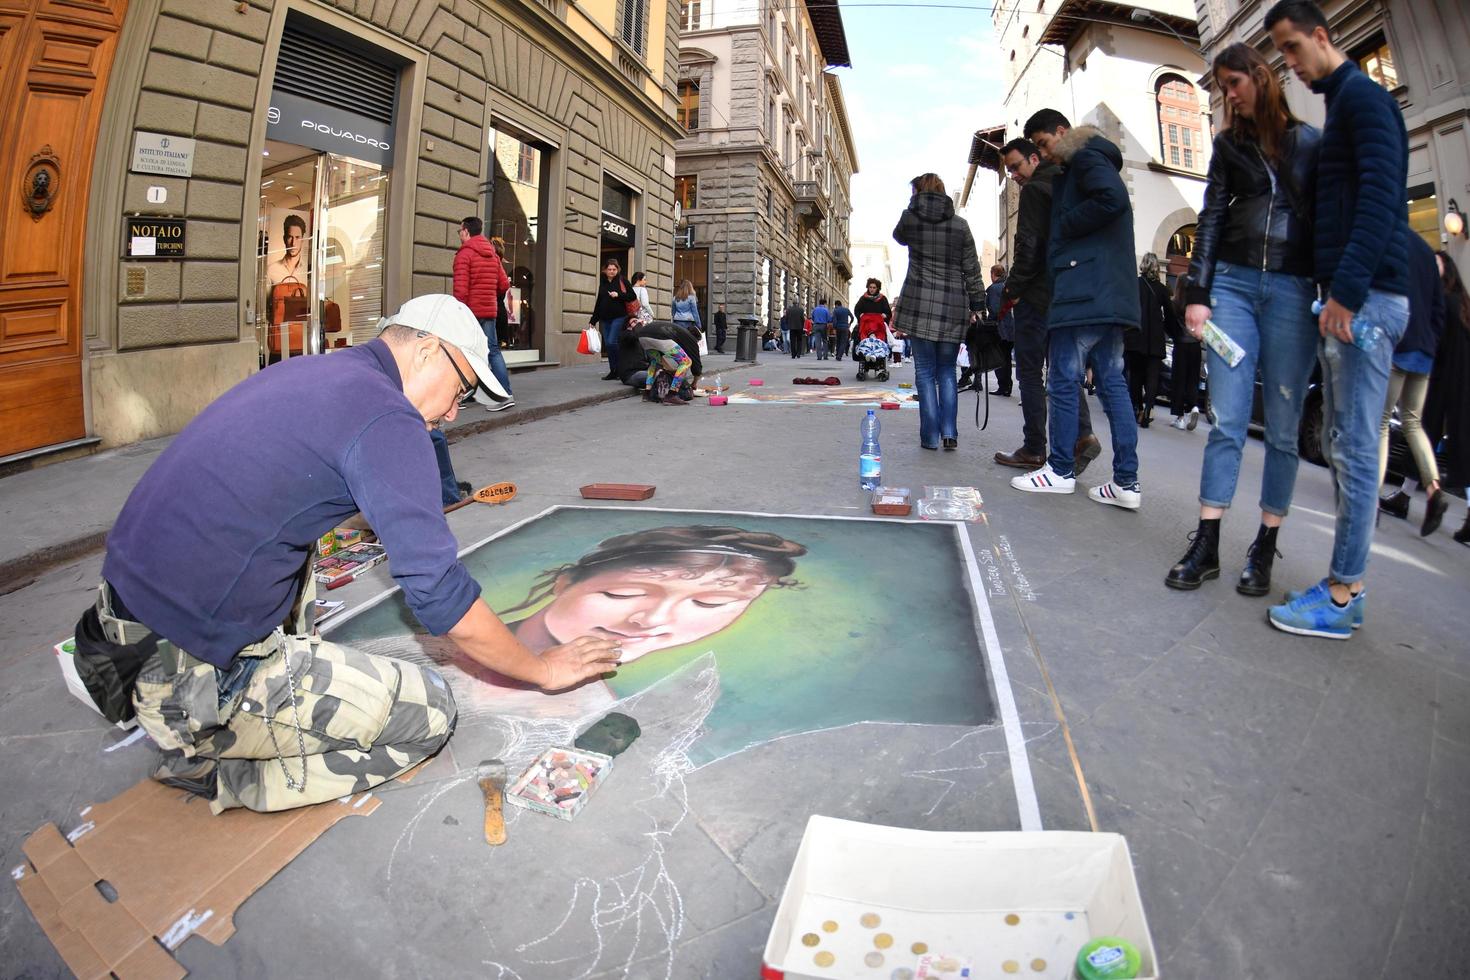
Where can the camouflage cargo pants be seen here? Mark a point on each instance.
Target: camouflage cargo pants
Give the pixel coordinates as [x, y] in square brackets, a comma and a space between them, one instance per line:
[355, 721]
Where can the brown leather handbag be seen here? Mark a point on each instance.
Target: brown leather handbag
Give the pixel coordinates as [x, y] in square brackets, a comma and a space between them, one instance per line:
[289, 301]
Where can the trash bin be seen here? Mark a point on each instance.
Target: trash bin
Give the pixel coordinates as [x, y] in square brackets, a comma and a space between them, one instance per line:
[747, 340]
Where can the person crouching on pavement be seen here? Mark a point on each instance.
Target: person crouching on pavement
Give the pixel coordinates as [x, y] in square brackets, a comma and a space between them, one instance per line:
[1360, 234]
[1251, 274]
[671, 370]
[203, 621]
[1094, 299]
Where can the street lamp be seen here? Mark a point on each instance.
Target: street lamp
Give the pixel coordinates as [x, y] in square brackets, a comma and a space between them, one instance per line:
[1454, 221]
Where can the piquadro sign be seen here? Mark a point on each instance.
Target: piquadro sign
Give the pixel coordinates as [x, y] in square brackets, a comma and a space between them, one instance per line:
[292, 119]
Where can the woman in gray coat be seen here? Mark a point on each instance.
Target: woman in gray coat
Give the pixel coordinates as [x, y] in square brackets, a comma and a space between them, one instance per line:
[943, 293]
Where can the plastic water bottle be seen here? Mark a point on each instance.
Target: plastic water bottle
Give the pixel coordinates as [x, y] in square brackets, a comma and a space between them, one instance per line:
[719, 383]
[870, 457]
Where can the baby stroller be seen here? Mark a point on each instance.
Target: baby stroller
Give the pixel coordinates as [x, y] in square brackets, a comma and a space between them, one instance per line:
[872, 350]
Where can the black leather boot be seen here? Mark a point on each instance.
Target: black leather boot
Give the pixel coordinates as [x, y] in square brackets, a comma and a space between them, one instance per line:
[1255, 578]
[1395, 505]
[1463, 534]
[1201, 561]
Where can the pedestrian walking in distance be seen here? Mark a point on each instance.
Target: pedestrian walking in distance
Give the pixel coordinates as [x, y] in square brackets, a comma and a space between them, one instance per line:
[610, 312]
[1447, 406]
[1360, 234]
[943, 293]
[1143, 349]
[1094, 299]
[1408, 386]
[1250, 273]
[480, 283]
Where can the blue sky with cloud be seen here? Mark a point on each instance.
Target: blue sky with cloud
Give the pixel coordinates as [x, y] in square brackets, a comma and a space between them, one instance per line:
[923, 80]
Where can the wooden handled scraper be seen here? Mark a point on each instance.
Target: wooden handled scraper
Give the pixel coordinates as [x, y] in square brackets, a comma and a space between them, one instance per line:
[492, 784]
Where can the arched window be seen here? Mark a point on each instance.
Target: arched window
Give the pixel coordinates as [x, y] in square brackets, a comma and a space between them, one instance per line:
[1181, 128]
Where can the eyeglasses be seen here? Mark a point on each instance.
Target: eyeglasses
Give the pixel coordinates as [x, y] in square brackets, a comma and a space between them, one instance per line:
[466, 386]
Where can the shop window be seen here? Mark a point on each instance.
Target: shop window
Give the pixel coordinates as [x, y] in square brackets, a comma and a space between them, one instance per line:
[1376, 60]
[686, 191]
[689, 15]
[514, 203]
[1424, 214]
[1180, 128]
[689, 105]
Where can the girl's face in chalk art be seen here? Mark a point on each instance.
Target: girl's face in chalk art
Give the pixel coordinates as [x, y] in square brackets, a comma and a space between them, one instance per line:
[648, 609]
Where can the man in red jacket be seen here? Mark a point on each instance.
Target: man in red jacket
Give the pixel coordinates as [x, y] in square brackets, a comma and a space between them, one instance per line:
[479, 282]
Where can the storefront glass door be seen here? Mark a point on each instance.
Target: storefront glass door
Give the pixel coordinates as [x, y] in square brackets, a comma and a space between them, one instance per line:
[321, 240]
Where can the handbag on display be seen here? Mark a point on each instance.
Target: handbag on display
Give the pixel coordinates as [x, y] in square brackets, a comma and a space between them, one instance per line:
[331, 317]
[289, 301]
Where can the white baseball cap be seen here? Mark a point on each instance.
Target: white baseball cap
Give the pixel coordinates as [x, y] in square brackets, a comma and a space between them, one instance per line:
[451, 321]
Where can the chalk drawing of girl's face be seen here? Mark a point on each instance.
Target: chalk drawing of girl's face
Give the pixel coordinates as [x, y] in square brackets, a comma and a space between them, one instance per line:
[648, 609]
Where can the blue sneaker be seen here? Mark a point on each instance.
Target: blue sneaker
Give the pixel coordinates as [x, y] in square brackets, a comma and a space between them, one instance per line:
[1312, 613]
[1358, 604]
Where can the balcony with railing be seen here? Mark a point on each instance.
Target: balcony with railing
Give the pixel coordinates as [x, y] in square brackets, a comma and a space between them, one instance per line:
[812, 206]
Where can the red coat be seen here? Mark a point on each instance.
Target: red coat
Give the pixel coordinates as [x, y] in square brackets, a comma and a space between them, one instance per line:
[479, 278]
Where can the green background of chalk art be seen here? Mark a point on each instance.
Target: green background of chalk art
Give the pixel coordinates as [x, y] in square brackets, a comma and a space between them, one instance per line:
[882, 628]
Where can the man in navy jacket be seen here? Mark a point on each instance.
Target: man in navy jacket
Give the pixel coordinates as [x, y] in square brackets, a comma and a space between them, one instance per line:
[1094, 299]
[1360, 253]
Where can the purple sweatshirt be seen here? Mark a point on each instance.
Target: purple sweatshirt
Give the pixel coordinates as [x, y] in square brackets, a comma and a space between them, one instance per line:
[207, 550]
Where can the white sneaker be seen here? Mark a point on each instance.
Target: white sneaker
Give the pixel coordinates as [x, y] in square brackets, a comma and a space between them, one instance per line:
[1044, 480]
[500, 406]
[1129, 498]
[1193, 419]
[1179, 423]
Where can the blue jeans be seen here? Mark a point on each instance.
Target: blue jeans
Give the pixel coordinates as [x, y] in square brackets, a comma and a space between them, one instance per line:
[1030, 345]
[1070, 350]
[448, 485]
[611, 331]
[1270, 315]
[785, 339]
[497, 359]
[819, 342]
[1354, 385]
[939, 395]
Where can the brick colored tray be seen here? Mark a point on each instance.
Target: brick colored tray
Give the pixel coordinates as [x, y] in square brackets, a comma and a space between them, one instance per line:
[618, 491]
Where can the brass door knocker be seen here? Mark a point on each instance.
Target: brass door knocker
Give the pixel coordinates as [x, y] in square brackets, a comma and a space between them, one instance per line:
[40, 182]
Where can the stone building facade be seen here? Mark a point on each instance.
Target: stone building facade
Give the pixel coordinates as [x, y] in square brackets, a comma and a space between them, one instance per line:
[1131, 70]
[1420, 51]
[765, 165]
[378, 126]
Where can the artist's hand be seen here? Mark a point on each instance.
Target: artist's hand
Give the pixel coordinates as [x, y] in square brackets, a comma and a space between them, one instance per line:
[1336, 320]
[1195, 315]
[571, 663]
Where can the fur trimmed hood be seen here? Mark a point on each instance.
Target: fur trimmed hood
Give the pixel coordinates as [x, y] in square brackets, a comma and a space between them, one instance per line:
[1079, 136]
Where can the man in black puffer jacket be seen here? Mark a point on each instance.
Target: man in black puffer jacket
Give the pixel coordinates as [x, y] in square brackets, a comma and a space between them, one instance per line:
[1028, 288]
[1094, 298]
[1360, 239]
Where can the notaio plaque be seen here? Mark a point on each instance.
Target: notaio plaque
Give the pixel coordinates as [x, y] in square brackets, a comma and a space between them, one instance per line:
[154, 238]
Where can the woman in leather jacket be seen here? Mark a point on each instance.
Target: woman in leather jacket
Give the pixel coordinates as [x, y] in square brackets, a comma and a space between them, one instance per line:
[1251, 275]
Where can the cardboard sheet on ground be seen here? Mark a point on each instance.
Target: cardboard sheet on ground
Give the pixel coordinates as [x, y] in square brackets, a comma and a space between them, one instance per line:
[824, 395]
[811, 623]
[171, 870]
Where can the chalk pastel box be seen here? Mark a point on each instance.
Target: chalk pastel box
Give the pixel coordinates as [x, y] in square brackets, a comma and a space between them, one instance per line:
[559, 782]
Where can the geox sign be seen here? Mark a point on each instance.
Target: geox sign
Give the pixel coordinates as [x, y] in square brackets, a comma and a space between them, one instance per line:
[292, 119]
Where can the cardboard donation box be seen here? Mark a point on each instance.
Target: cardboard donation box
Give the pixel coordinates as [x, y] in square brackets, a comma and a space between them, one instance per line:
[870, 901]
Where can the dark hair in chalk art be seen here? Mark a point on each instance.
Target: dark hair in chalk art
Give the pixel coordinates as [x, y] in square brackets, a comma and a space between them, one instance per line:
[685, 552]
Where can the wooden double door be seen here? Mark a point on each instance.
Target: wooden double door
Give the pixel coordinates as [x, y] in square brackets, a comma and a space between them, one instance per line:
[55, 56]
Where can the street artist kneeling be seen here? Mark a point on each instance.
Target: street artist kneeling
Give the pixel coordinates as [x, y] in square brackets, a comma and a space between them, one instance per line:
[202, 624]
